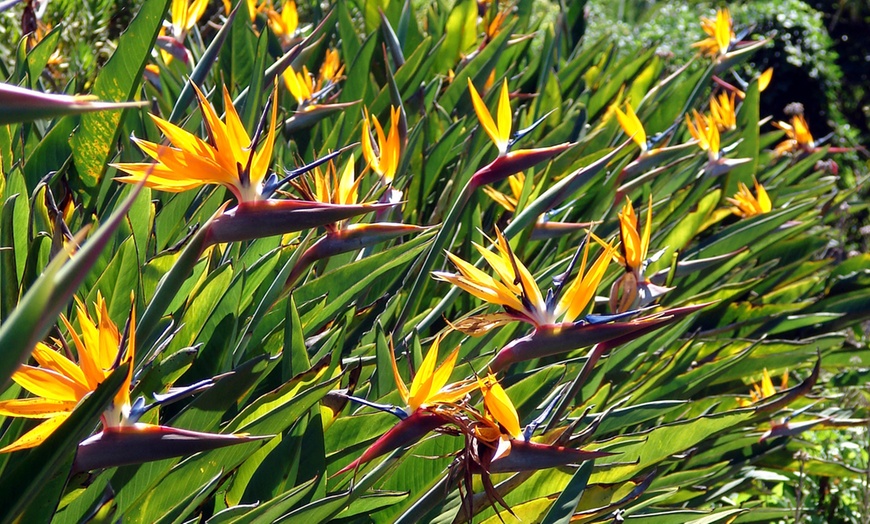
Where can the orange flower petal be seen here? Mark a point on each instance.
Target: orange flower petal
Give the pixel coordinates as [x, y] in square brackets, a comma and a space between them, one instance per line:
[485, 118]
[49, 384]
[422, 385]
[631, 125]
[55, 361]
[37, 435]
[35, 407]
[497, 402]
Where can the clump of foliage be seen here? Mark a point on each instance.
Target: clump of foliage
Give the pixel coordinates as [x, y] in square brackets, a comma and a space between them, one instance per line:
[809, 58]
[363, 263]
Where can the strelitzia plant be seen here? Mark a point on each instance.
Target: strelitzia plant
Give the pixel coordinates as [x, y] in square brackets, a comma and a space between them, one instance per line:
[307, 92]
[509, 202]
[720, 34]
[704, 130]
[499, 131]
[493, 26]
[183, 17]
[798, 136]
[633, 290]
[230, 158]
[765, 397]
[723, 111]
[331, 70]
[763, 79]
[657, 384]
[517, 291]
[255, 7]
[504, 165]
[746, 205]
[721, 44]
[496, 443]
[310, 94]
[557, 324]
[60, 384]
[284, 24]
[301, 86]
[650, 156]
[763, 389]
[430, 402]
[800, 140]
[491, 437]
[382, 157]
[331, 187]
[494, 439]
[632, 126]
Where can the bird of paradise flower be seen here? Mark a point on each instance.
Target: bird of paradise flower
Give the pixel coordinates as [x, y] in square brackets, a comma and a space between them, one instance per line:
[59, 384]
[495, 441]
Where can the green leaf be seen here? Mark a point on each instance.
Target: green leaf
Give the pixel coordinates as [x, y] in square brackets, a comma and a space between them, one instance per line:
[660, 443]
[169, 284]
[356, 87]
[268, 511]
[238, 56]
[163, 374]
[295, 359]
[53, 489]
[385, 382]
[51, 153]
[93, 143]
[16, 185]
[324, 509]
[253, 102]
[632, 416]
[39, 56]
[202, 306]
[719, 516]
[203, 67]
[268, 301]
[563, 509]
[270, 405]
[270, 414]
[353, 279]
[478, 69]
[685, 227]
[368, 504]
[624, 71]
[461, 33]
[117, 280]
[196, 495]
[748, 232]
[141, 222]
[8, 271]
[350, 42]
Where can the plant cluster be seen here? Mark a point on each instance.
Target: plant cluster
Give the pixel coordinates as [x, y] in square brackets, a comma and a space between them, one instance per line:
[220, 267]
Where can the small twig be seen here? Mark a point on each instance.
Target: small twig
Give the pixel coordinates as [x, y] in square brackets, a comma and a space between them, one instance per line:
[799, 496]
[865, 502]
